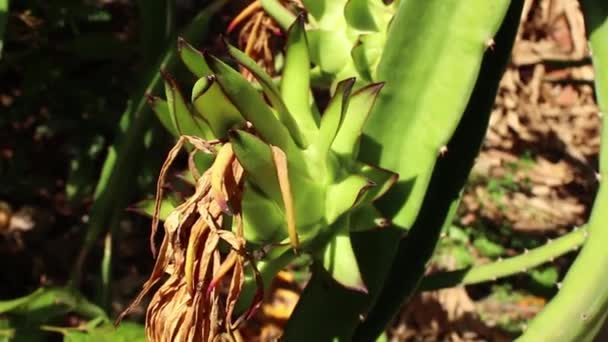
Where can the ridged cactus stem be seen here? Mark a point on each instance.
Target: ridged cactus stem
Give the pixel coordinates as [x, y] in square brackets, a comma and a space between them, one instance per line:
[430, 65]
[449, 176]
[507, 267]
[580, 308]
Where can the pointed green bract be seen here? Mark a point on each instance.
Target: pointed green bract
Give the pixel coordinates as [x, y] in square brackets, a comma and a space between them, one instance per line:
[161, 109]
[295, 81]
[272, 93]
[361, 102]
[192, 58]
[322, 291]
[340, 261]
[333, 116]
[215, 107]
[251, 105]
[366, 54]
[345, 194]
[183, 119]
[256, 158]
[263, 219]
[382, 179]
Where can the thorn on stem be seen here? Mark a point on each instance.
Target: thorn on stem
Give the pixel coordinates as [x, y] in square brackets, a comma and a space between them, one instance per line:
[490, 43]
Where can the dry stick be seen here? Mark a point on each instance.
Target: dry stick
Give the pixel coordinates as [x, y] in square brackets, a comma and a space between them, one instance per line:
[280, 162]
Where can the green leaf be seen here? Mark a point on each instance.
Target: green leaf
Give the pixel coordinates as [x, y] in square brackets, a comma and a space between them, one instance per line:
[334, 116]
[252, 106]
[263, 219]
[272, 93]
[344, 195]
[381, 179]
[295, 81]
[340, 261]
[360, 104]
[192, 58]
[146, 207]
[184, 120]
[322, 291]
[546, 276]
[47, 303]
[214, 106]
[160, 107]
[256, 158]
[366, 54]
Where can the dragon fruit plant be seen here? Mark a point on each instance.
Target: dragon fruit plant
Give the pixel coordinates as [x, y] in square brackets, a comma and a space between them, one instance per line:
[269, 173]
[276, 176]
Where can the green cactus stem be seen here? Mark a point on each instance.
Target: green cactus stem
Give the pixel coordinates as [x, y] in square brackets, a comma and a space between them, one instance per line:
[429, 65]
[580, 307]
[442, 197]
[507, 267]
